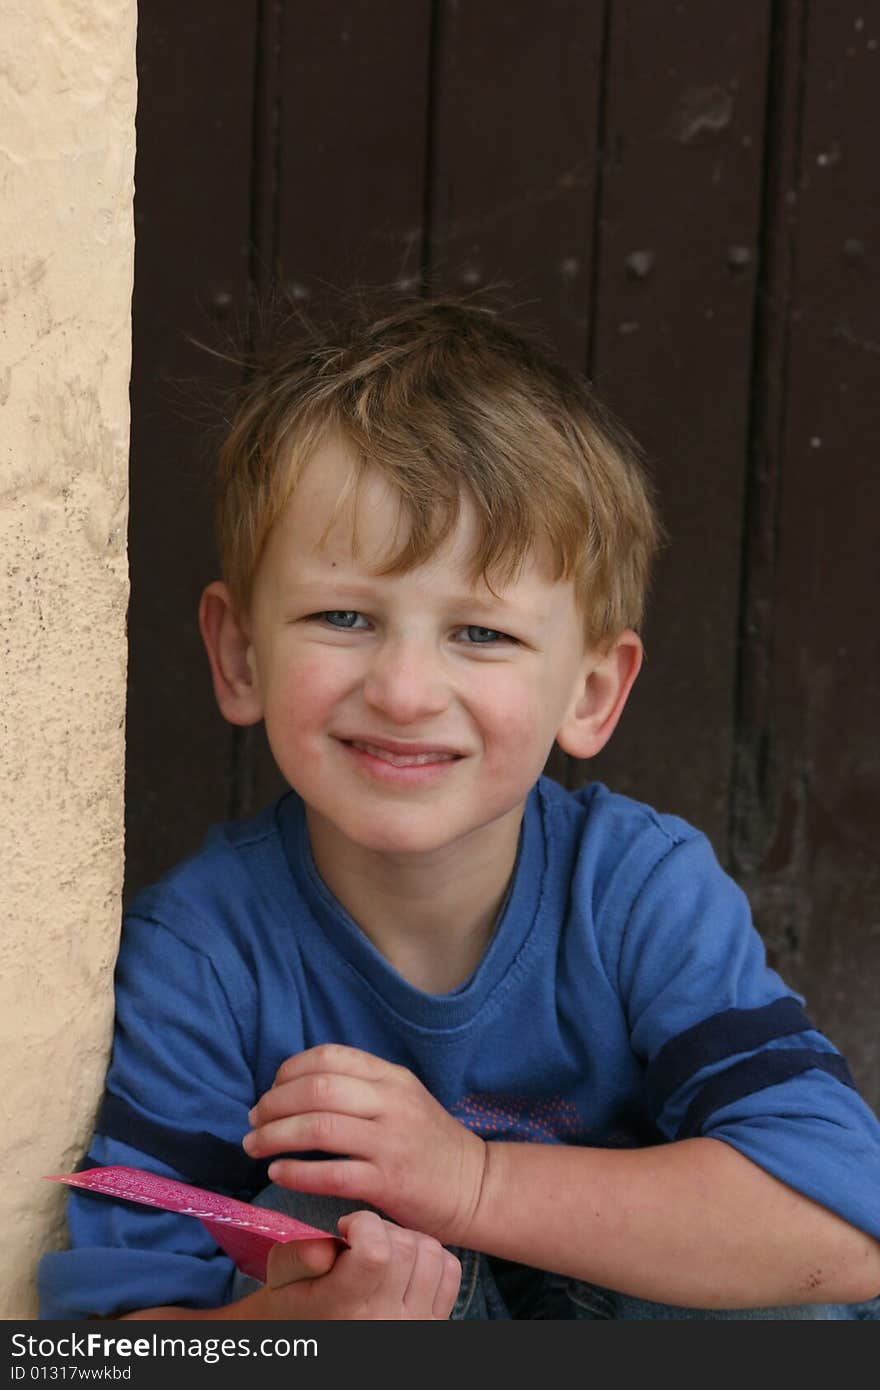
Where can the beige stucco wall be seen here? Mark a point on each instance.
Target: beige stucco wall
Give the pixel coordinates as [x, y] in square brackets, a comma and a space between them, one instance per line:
[67, 106]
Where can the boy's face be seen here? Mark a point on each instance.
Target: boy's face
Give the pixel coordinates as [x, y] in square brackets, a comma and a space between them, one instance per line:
[410, 711]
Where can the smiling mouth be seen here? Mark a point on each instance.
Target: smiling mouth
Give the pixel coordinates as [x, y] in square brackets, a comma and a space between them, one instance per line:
[387, 755]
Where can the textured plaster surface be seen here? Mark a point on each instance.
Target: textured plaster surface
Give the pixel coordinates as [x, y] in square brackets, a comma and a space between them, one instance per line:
[67, 107]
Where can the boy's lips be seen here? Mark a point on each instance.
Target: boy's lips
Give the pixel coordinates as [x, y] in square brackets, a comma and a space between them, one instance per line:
[400, 754]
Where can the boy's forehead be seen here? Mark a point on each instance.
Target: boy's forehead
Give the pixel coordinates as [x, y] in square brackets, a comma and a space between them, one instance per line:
[334, 502]
[316, 536]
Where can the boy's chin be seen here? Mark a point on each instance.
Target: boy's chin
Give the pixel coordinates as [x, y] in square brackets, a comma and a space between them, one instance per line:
[403, 837]
[411, 832]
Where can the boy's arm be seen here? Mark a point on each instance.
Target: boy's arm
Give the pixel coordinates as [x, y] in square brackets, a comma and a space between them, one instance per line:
[693, 1222]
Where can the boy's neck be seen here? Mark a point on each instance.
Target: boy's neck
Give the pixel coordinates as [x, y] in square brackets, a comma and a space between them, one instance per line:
[431, 916]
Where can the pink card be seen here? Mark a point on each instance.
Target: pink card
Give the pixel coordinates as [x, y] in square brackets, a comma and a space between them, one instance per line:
[246, 1232]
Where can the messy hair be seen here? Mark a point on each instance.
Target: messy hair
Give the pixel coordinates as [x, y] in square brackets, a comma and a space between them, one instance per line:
[443, 399]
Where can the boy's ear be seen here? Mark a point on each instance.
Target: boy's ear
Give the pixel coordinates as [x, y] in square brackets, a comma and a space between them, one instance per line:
[605, 683]
[229, 651]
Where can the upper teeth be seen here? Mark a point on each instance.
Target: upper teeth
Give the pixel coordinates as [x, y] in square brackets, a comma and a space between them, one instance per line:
[401, 759]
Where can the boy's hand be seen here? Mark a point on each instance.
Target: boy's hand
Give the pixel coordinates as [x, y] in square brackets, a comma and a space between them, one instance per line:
[385, 1273]
[402, 1151]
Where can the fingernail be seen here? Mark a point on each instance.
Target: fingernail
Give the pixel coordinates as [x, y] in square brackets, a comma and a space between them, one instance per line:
[247, 1142]
[252, 1115]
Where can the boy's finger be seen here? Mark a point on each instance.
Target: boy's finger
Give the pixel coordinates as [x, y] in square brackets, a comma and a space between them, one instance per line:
[335, 1057]
[299, 1259]
[447, 1289]
[319, 1091]
[365, 1265]
[405, 1262]
[433, 1282]
[327, 1132]
[425, 1268]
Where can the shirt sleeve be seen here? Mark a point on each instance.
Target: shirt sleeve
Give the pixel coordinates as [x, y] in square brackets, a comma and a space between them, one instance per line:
[728, 1048]
[178, 1090]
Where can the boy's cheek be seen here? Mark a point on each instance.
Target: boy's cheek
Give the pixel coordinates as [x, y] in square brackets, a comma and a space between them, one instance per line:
[516, 723]
[306, 688]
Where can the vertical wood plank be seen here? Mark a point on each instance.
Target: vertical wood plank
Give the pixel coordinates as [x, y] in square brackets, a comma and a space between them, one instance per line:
[353, 125]
[515, 158]
[679, 222]
[815, 871]
[752, 762]
[192, 212]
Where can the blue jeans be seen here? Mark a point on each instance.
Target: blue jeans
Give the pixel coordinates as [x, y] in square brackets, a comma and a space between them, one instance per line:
[498, 1289]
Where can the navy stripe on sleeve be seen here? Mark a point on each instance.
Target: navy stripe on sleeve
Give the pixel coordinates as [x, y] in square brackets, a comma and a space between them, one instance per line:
[721, 1035]
[201, 1158]
[755, 1074]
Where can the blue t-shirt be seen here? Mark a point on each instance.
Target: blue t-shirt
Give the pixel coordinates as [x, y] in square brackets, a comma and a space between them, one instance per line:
[624, 1000]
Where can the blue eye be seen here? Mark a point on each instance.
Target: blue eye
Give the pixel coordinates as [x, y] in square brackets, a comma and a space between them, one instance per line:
[341, 617]
[483, 636]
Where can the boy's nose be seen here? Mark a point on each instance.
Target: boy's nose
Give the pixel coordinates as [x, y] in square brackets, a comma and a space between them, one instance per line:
[405, 682]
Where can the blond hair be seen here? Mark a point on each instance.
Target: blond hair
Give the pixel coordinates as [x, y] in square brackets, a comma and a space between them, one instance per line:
[442, 398]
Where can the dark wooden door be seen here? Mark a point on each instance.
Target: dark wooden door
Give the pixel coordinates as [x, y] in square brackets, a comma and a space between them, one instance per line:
[684, 195]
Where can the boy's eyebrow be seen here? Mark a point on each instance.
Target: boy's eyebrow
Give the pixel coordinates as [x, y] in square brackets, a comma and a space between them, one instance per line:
[474, 602]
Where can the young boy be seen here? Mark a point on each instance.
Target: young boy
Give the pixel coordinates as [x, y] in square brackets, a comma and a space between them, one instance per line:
[430, 988]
